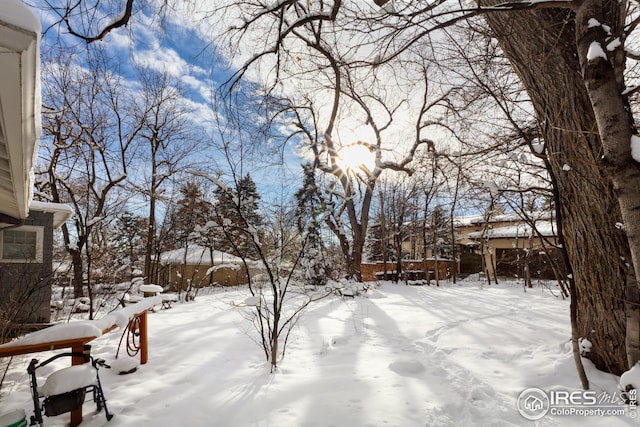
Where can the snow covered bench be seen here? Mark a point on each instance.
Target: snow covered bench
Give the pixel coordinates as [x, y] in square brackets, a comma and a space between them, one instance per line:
[168, 299]
[150, 290]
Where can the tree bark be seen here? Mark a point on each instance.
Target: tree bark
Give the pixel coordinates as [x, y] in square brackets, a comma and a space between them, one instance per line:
[603, 78]
[541, 47]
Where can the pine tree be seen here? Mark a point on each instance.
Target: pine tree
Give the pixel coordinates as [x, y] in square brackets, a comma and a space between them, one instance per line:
[439, 231]
[315, 270]
[193, 210]
[308, 200]
[236, 211]
[128, 244]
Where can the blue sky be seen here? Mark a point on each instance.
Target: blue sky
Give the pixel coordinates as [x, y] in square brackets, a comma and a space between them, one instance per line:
[174, 47]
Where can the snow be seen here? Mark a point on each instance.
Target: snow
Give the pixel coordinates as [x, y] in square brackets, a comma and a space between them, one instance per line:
[254, 300]
[468, 220]
[68, 379]
[151, 288]
[592, 23]
[454, 355]
[492, 187]
[124, 364]
[94, 221]
[595, 51]
[169, 297]
[64, 331]
[222, 267]
[631, 377]
[543, 228]
[614, 44]
[635, 148]
[197, 255]
[85, 328]
[538, 147]
[12, 417]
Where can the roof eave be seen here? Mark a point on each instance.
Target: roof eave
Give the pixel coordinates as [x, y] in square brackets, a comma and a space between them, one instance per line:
[19, 117]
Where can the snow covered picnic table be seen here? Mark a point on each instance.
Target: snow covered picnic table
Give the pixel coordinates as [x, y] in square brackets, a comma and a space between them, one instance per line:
[150, 290]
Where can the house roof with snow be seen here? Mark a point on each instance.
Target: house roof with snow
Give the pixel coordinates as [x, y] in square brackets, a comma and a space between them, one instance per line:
[19, 107]
[469, 220]
[197, 255]
[524, 231]
[60, 211]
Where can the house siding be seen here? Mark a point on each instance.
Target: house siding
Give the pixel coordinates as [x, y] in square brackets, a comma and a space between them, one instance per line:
[178, 277]
[25, 288]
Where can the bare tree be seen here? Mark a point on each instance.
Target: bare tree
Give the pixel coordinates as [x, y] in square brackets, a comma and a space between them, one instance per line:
[277, 302]
[88, 137]
[571, 58]
[165, 144]
[352, 97]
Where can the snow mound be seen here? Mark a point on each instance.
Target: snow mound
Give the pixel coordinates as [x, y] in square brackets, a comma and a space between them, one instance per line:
[124, 365]
[253, 301]
[631, 378]
[334, 343]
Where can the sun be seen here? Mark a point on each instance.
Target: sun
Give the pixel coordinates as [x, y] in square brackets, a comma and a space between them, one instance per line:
[356, 156]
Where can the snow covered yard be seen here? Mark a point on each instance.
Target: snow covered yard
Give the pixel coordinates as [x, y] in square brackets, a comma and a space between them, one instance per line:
[457, 355]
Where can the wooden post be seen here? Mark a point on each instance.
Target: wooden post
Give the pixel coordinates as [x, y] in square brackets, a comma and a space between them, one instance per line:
[144, 349]
[85, 350]
[78, 345]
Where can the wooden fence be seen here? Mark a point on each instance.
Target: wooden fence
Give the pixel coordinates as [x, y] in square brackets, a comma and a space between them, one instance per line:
[372, 271]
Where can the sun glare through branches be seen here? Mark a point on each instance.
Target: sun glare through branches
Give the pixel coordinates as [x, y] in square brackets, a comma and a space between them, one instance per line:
[356, 156]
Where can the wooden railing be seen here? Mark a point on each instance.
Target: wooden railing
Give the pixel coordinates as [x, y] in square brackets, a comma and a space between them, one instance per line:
[69, 336]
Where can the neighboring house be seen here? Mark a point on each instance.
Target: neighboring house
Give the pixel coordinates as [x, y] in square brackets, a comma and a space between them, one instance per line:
[26, 227]
[501, 245]
[199, 266]
[516, 248]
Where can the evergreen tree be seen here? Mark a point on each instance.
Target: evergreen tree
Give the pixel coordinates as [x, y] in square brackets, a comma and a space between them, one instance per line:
[308, 200]
[128, 244]
[192, 210]
[236, 211]
[439, 231]
[313, 263]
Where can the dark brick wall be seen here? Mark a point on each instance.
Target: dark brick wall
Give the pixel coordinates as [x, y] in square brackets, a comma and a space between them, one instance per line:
[25, 288]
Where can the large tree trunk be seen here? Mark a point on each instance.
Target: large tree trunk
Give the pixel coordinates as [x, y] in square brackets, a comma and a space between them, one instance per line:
[604, 80]
[542, 49]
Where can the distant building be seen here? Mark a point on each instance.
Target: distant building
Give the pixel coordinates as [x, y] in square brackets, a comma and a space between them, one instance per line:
[513, 247]
[504, 245]
[199, 266]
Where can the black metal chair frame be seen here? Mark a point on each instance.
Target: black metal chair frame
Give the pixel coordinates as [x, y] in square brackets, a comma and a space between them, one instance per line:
[66, 402]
